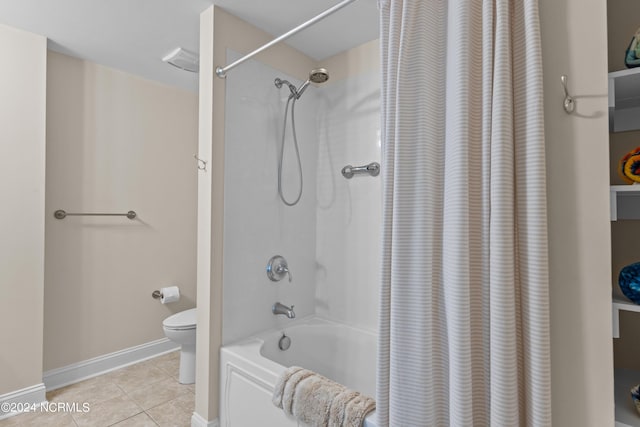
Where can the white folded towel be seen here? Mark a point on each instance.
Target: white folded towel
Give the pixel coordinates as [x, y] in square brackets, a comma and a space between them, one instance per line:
[318, 401]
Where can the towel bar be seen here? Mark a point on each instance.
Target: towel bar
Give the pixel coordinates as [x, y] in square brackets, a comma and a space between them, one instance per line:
[61, 214]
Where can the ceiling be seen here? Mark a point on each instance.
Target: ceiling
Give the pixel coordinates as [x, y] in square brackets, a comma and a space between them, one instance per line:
[134, 35]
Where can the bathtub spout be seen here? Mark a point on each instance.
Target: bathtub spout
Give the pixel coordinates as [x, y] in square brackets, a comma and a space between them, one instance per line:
[279, 308]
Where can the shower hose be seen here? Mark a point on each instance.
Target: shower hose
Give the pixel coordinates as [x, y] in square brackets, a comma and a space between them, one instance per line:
[295, 144]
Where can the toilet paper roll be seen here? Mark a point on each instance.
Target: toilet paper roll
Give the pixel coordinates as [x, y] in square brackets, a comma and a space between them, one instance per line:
[169, 294]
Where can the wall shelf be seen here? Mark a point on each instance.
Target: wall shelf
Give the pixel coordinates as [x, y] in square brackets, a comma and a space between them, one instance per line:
[626, 413]
[624, 100]
[625, 202]
[624, 379]
[624, 115]
[621, 304]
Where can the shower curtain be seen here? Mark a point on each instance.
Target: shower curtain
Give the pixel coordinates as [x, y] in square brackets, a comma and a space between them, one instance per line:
[464, 328]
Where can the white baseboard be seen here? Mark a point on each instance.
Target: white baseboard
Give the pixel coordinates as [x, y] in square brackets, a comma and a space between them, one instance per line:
[76, 372]
[198, 421]
[33, 395]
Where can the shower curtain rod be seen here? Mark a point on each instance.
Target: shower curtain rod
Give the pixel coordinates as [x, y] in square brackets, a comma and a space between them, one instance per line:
[222, 72]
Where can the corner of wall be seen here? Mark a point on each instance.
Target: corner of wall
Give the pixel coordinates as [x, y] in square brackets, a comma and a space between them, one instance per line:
[22, 168]
[578, 213]
[208, 313]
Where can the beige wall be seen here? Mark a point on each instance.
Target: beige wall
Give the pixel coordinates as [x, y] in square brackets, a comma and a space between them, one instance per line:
[22, 185]
[579, 229]
[358, 60]
[115, 142]
[219, 31]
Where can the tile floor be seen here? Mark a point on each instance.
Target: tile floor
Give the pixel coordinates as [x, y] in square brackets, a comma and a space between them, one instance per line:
[145, 394]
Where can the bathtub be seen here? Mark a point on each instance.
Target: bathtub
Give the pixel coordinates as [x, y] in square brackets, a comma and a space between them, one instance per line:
[249, 369]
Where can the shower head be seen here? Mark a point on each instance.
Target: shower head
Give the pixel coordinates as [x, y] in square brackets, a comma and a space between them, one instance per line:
[318, 75]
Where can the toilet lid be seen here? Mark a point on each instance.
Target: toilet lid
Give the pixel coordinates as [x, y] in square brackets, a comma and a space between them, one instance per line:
[183, 320]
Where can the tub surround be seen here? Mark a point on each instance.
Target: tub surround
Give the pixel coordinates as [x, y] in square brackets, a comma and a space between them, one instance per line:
[257, 225]
[329, 238]
[348, 211]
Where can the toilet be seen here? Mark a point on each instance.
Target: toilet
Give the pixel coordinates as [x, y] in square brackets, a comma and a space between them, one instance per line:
[181, 328]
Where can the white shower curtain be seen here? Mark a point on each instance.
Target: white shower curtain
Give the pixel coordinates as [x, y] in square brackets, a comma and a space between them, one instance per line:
[464, 328]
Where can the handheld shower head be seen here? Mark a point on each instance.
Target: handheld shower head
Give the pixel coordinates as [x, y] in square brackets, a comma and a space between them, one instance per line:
[318, 75]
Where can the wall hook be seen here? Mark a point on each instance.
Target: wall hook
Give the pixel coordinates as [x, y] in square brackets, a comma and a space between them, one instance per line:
[202, 164]
[569, 103]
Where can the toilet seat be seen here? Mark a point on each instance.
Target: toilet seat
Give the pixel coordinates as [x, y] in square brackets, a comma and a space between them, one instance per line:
[181, 321]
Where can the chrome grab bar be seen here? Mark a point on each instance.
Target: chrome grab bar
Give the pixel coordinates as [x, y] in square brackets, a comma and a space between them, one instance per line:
[372, 169]
[60, 214]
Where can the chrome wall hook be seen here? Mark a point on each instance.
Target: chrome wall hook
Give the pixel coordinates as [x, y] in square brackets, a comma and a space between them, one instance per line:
[202, 164]
[569, 103]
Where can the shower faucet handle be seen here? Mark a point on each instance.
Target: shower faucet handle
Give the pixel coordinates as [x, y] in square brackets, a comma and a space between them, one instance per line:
[277, 267]
[282, 270]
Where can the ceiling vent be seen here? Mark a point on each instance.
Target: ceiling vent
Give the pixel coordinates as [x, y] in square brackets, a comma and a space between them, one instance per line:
[183, 59]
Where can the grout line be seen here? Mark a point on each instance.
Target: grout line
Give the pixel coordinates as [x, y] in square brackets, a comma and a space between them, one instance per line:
[151, 418]
[125, 419]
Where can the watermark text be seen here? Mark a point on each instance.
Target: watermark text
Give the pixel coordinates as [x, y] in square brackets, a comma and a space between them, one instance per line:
[50, 407]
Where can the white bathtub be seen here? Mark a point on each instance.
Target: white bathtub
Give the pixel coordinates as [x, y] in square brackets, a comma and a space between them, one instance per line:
[249, 369]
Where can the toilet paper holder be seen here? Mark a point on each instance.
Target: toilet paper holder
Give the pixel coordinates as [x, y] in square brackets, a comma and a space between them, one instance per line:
[167, 295]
